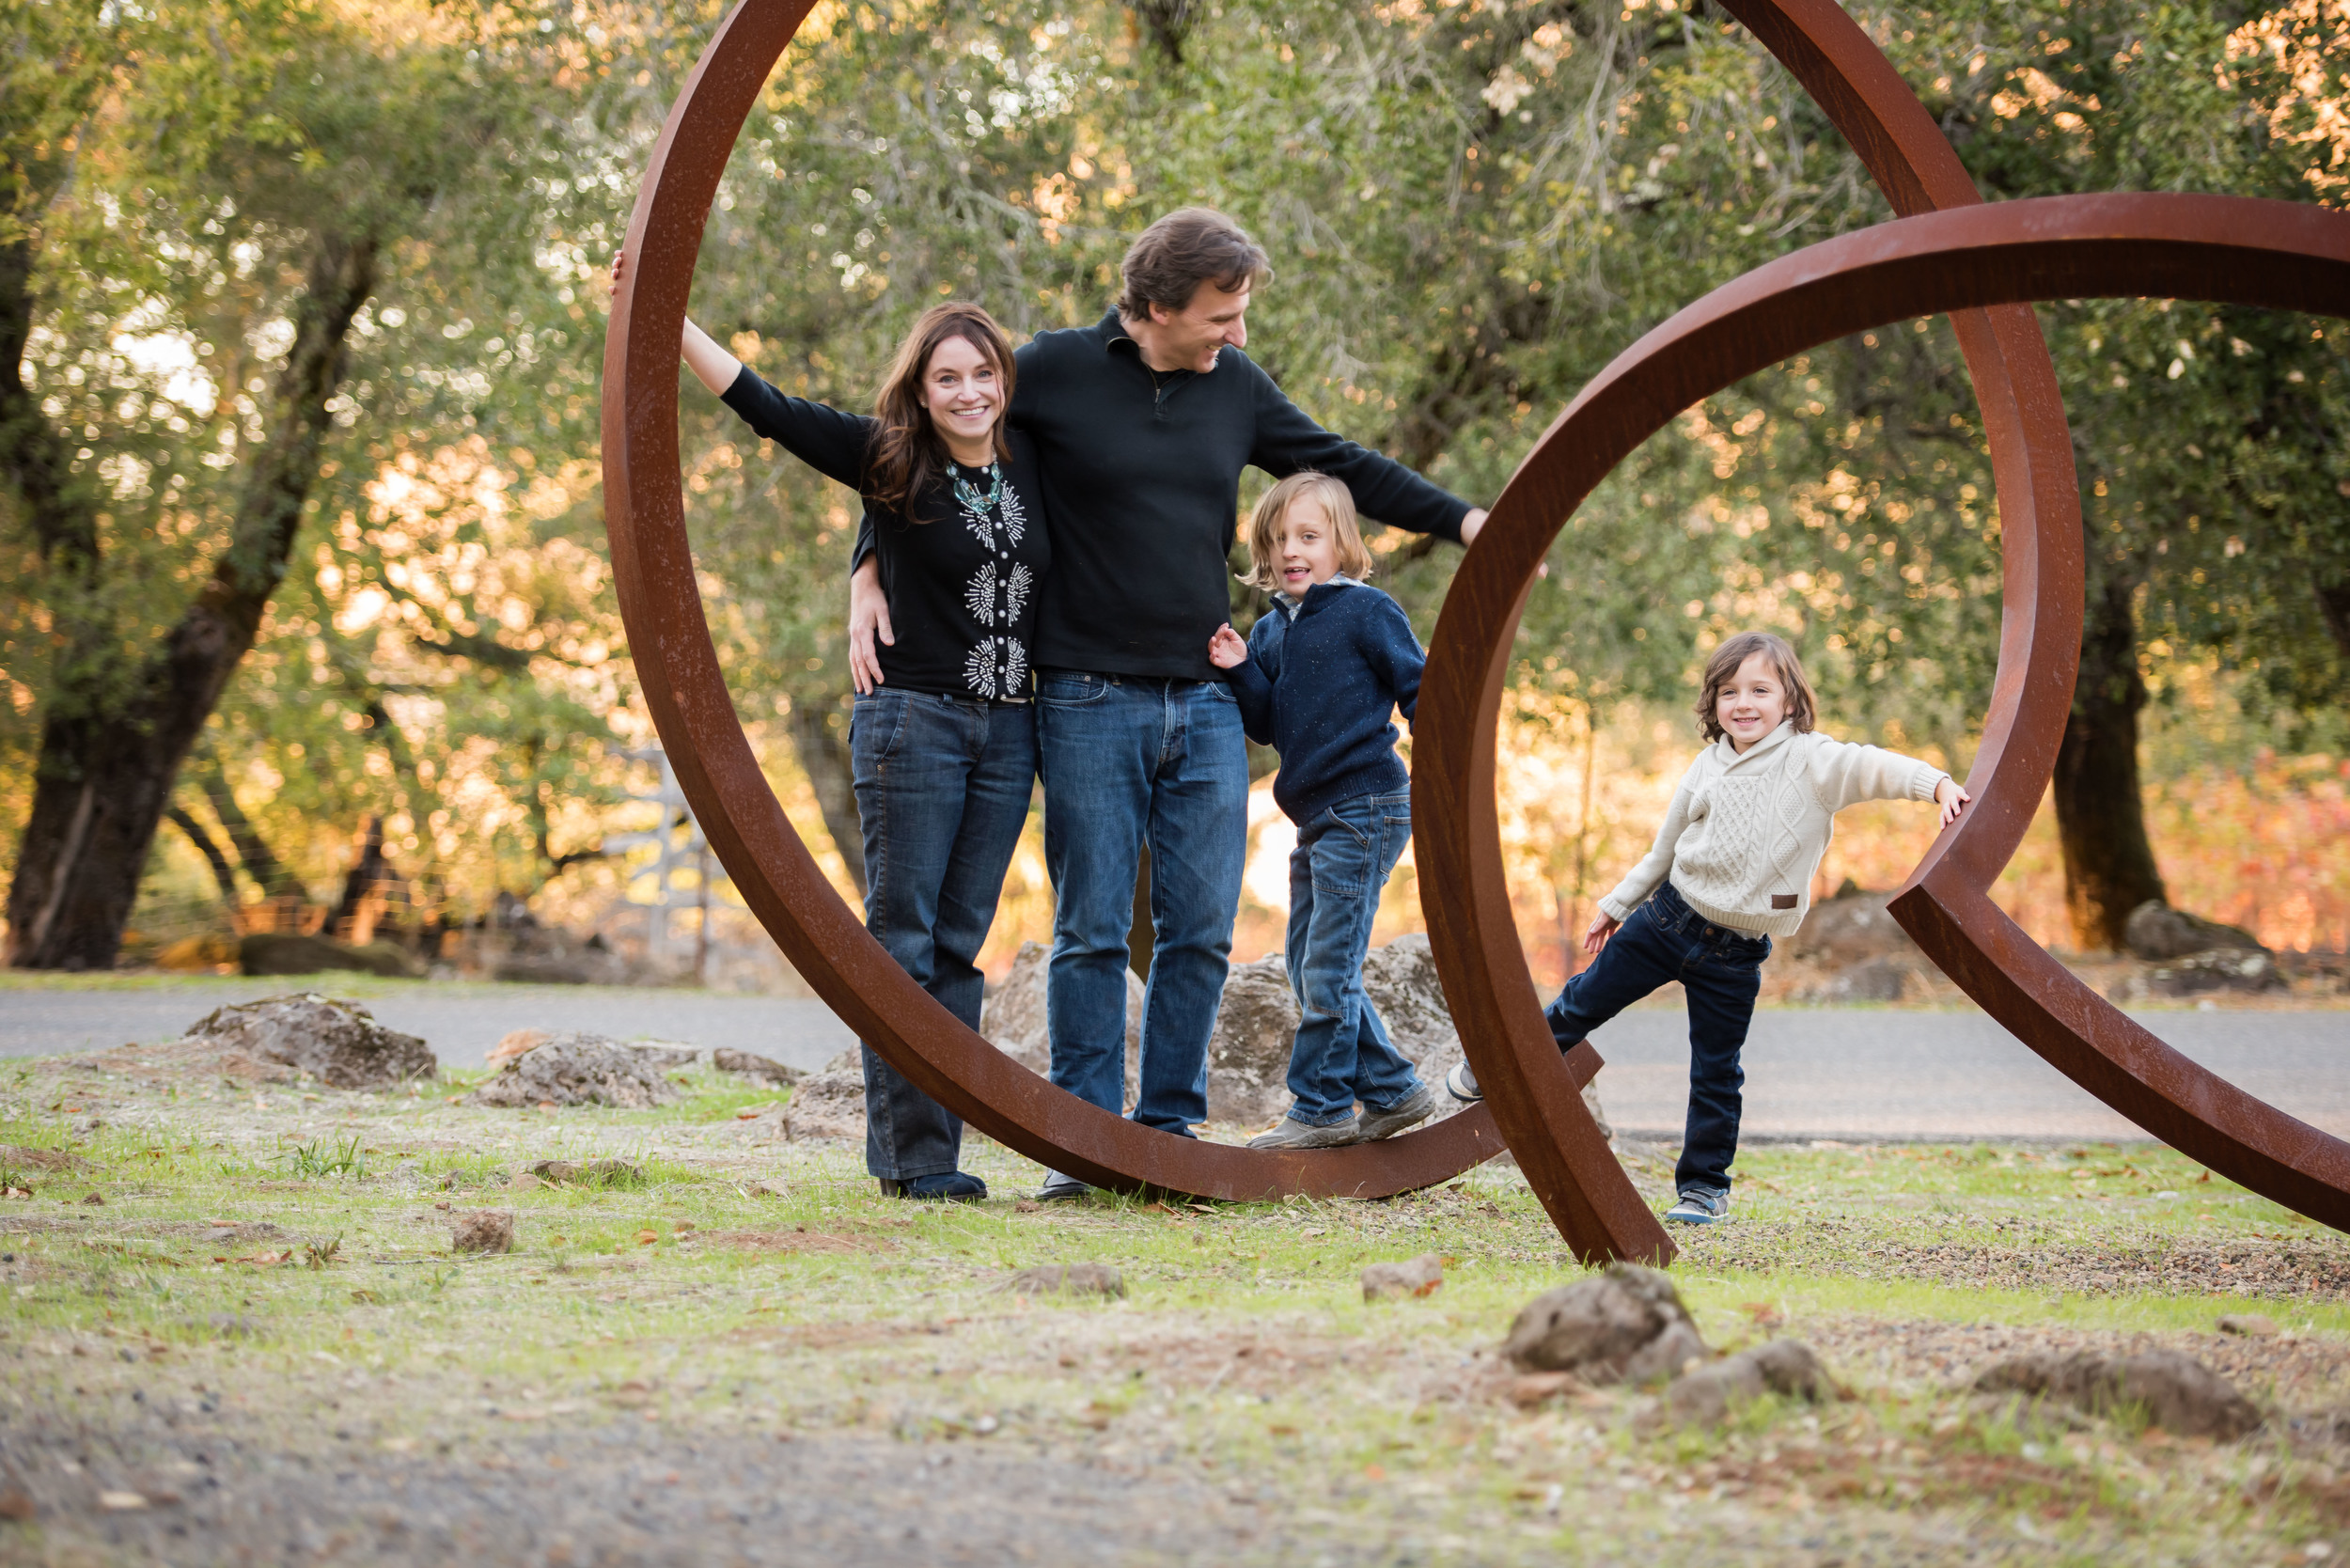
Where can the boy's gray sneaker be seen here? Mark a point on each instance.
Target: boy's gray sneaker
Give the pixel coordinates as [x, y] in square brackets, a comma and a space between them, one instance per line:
[1415, 1108]
[1462, 1083]
[1700, 1206]
[1293, 1133]
[1059, 1188]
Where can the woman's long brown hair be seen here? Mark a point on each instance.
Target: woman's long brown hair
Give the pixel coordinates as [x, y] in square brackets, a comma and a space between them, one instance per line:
[908, 453]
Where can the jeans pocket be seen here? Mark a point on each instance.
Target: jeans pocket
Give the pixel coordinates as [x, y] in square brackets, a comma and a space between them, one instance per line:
[1221, 691]
[1363, 834]
[1071, 691]
[877, 722]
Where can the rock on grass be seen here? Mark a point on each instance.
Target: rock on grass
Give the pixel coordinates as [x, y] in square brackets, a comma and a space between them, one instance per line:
[1419, 1275]
[609, 1173]
[1626, 1324]
[579, 1070]
[1065, 1279]
[482, 1231]
[1707, 1395]
[2177, 1392]
[335, 1041]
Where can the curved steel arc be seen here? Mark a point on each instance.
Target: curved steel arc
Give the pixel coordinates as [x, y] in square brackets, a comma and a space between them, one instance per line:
[2242, 251]
[1565, 1159]
[684, 688]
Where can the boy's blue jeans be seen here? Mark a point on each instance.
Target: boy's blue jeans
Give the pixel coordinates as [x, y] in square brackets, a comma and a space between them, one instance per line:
[1128, 759]
[1342, 1052]
[1721, 972]
[943, 785]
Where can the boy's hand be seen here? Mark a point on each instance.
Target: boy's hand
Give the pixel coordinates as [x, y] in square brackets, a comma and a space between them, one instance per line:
[1952, 799]
[1603, 927]
[1225, 650]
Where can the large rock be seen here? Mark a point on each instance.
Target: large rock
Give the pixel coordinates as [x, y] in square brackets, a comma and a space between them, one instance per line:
[1248, 1055]
[2155, 931]
[1012, 1020]
[2218, 969]
[2176, 1393]
[336, 1042]
[285, 952]
[829, 1103]
[1626, 1324]
[1852, 927]
[582, 1070]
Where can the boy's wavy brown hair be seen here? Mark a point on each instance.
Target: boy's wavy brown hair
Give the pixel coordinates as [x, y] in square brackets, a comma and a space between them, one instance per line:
[1802, 707]
[908, 456]
[1337, 505]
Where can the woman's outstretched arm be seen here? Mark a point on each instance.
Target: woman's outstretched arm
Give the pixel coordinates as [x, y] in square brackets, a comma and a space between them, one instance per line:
[712, 366]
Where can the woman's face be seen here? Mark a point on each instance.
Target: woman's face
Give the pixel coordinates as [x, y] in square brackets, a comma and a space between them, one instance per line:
[961, 391]
[1754, 702]
[1309, 547]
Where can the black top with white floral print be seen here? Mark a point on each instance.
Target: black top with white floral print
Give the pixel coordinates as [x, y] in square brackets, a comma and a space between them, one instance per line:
[962, 587]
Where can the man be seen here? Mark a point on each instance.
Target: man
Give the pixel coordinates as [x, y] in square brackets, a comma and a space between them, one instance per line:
[1143, 423]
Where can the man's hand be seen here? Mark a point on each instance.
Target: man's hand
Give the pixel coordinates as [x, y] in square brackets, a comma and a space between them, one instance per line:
[869, 618]
[1225, 650]
[1602, 927]
[1952, 798]
[1469, 525]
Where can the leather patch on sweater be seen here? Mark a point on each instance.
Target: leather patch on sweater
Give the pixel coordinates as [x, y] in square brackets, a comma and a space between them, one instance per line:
[1783, 901]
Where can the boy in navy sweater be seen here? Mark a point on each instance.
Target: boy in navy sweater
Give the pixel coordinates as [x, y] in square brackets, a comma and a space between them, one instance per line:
[1317, 680]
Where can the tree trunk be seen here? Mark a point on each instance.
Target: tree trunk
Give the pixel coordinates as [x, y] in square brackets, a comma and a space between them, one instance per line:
[821, 738]
[109, 755]
[371, 869]
[2101, 820]
[222, 873]
[2334, 604]
[267, 872]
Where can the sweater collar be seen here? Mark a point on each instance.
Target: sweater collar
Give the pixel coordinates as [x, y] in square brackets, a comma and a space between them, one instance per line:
[1772, 742]
[1316, 596]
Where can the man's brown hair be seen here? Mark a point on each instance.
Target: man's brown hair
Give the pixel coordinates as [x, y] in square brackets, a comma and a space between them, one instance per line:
[1170, 259]
[1802, 707]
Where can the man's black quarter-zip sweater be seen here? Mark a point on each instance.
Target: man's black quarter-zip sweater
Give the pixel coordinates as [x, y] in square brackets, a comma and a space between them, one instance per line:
[1141, 473]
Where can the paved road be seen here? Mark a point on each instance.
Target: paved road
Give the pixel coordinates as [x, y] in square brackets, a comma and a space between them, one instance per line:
[1810, 1073]
[1844, 1072]
[460, 1022]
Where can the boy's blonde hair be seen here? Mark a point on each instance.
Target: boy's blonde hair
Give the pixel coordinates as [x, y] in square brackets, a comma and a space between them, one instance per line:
[1337, 505]
[1802, 707]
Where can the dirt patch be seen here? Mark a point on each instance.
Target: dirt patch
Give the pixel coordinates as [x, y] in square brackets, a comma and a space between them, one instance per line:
[2289, 1267]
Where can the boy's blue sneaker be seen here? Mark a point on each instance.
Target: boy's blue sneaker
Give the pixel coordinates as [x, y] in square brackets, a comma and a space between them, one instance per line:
[1700, 1206]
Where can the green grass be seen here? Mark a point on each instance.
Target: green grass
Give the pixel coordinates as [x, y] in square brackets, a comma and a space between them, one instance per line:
[1242, 1348]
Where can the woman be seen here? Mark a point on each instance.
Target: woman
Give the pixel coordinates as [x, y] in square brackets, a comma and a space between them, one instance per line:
[943, 737]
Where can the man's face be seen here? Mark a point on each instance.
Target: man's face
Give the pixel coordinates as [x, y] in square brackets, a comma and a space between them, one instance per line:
[1216, 318]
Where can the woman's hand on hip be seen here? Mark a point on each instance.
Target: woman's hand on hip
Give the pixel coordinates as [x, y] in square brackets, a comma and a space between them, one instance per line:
[1225, 650]
[1602, 927]
[869, 618]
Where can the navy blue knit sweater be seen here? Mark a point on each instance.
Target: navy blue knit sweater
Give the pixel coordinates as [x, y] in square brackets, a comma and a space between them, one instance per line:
[1319, 687]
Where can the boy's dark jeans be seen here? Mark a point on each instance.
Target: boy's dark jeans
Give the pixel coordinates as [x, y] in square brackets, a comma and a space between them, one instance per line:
[1342, 1054]
[942, 788]
[1721, 971]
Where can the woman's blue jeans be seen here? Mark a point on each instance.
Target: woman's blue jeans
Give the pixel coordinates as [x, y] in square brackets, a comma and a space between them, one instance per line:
[943, 785]
[1721, 972]
[1342, 1054]
[1128, 759]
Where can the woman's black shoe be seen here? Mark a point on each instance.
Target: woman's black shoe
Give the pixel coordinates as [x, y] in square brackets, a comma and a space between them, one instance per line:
[949, 1186]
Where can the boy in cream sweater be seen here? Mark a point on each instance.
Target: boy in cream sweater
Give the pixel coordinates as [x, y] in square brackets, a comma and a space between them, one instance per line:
[1732, 869]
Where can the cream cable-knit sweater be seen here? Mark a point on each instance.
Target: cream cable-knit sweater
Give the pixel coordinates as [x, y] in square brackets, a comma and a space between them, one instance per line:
[1744, 834]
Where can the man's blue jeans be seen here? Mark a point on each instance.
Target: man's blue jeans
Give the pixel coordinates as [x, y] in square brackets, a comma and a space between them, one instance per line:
[1126, 760]
[1342, 1053]
[1721, 972]
[943, 785]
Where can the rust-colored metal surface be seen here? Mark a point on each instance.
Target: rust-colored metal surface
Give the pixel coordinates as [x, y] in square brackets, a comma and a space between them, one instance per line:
[1971, 256]
[661, 603]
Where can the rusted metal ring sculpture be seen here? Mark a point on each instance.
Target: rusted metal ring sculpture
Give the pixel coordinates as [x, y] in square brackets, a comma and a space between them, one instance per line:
[1961, 260]
[660, 603]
